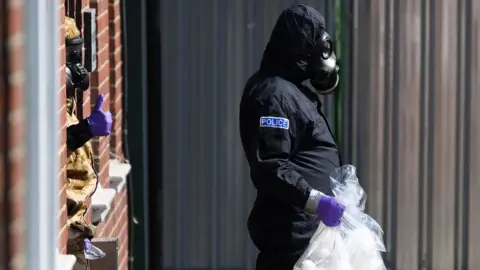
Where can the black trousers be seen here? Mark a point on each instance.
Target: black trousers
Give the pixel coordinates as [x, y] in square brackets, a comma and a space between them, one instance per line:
[277, 261]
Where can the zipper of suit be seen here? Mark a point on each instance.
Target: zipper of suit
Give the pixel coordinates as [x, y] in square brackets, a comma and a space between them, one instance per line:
[333, 136]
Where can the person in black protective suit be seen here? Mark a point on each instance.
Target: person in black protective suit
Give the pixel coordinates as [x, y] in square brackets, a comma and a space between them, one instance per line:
[287, 140]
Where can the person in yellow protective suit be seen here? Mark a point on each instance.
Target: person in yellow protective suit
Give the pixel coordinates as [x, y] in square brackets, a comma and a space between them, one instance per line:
[81, 175]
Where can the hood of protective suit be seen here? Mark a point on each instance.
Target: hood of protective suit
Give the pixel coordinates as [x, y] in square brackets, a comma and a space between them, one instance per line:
[292, 43]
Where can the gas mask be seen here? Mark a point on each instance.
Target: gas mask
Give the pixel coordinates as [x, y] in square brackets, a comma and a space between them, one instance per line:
[77, 75]
[323, 67]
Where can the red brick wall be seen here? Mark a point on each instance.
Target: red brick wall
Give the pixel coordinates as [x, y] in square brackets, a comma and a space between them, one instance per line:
[100, 84]
[12, 185]
[107, 79]
[62, 152]
[117, 226]
[116, 80]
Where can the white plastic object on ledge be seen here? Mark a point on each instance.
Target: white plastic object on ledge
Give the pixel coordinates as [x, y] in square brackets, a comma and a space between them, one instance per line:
[118, 172]
[101, 203]
[64, 262]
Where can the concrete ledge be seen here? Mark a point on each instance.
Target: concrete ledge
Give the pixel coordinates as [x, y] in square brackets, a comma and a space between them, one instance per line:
[101, 203]
[65, 262]
[118, 174]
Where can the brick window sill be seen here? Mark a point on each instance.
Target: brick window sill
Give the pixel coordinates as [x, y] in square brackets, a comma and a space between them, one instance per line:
[102, 199]
[118, 174]
[101, 203]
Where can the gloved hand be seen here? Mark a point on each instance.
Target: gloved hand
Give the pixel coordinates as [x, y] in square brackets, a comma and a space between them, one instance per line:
[329, 211]
[100, 122]
[92, 252]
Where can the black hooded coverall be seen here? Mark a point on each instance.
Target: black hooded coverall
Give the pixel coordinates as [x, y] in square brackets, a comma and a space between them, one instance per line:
[286, 160]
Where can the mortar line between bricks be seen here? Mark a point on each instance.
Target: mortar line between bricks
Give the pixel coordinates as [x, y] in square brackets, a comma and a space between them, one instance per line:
[123, 200]
[116, 230]
[101, 66]
[102, 82]
[124, 242]
[64, 188]
[103, 31]
[105, 148]
[117, 71]
[118, 65]
[111, 213]
[122, 263]
[62, 229]
[120, 113]
[116, 35]
[62, 148]
[118, 82]
[105, 47]
[105, 81]
[125, 206]
[122, 229]
[114, 227]
[115, 101]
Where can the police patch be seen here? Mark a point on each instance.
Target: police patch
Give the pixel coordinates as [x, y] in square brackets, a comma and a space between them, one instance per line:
[274, 122]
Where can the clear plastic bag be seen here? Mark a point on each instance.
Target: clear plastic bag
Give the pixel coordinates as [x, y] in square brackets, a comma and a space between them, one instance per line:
[355, 244]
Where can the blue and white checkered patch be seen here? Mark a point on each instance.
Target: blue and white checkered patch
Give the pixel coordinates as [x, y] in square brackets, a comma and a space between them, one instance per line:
[274, 122]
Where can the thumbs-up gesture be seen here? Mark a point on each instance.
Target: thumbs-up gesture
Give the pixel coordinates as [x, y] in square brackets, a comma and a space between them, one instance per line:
[100, 122]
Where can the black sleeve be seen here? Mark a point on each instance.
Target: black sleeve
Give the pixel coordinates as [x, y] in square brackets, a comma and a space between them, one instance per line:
[78, 135]
[273, 173]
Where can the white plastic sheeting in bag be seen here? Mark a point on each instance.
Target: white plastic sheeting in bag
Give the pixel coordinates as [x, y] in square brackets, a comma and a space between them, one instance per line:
[357, 243]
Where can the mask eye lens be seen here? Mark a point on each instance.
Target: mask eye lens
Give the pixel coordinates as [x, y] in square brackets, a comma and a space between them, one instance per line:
[327, 49]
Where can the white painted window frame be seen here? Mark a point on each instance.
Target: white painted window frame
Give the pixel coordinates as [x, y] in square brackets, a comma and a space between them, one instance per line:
[41, 43]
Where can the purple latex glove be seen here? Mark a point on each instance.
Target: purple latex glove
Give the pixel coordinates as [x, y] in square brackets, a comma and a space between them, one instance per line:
[100, 122]
[92, 252]
[329, 211]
